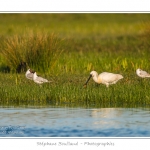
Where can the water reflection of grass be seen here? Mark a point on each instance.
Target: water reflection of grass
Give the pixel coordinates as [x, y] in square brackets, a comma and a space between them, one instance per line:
[92, 42]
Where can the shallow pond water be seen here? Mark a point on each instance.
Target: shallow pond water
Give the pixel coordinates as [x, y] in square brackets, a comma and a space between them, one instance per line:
[74, 122]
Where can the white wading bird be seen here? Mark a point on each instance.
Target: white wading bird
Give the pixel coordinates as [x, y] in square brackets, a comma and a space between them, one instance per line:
[142, 74]
[38, 79]
[104, 78]
[29, 74]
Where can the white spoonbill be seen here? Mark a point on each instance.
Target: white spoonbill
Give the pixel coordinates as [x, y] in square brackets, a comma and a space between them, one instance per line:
[29, 74]
[104, 78]
[38, 79]
[142, 74]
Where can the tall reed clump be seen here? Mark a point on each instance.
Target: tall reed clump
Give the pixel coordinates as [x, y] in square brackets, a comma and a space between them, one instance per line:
[43, 51]
[38, 50]
[11, 50]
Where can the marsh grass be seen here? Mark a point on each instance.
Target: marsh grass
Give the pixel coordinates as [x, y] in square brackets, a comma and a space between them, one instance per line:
[70, 73]
[39, 50]
[69, 91]
[112, 43]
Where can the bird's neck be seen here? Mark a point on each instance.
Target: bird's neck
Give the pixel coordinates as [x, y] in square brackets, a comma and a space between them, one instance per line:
[96, 78]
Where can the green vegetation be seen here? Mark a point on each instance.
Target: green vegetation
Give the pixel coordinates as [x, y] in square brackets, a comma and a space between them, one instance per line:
[65, 48]
[39, 50]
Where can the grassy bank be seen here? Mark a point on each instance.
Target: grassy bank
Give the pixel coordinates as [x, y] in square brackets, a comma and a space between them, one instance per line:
[69, 91]
[103, 42]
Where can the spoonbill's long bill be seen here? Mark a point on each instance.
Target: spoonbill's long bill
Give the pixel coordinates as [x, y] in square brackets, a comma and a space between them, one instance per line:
[104, 78]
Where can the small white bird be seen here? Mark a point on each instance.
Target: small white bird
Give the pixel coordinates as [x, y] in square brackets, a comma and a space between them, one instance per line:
[38, 79]
[29, 74]
[142, 74]
[104, 78]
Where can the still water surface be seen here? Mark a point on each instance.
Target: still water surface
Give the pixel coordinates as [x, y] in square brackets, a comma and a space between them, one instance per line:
[74, 122]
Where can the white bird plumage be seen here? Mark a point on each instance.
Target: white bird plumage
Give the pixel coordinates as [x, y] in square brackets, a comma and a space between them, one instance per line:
[29, 74]
[142, 74]
[104, 78]
[38, 79]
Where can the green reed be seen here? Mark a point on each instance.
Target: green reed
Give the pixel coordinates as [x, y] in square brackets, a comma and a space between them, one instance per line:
[39, 50]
